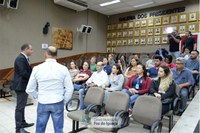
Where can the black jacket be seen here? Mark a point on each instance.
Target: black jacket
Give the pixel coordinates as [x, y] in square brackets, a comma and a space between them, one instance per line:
[22, 72]
[170, 93]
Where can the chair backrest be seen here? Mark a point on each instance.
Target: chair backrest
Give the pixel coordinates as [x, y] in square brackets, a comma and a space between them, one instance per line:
[147, 109]
[94, 95]
[178, 89]
[117, 101]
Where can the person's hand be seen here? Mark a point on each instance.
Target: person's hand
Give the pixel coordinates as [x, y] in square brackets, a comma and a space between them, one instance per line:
[132, 90]
[157, 95]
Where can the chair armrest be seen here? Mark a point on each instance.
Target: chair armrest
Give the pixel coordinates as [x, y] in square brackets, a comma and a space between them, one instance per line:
[92, 106]
[156, 124]
[124, 115]
[71, 100]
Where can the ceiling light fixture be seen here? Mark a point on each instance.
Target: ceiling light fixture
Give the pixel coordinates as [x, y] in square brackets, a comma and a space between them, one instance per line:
[144, 4]
[109, 3]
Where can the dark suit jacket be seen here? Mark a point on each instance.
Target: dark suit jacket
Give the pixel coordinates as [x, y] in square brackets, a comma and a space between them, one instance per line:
[22, 72]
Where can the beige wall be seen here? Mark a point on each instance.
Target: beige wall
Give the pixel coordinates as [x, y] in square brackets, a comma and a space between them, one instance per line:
[191, 5]
[26, 23]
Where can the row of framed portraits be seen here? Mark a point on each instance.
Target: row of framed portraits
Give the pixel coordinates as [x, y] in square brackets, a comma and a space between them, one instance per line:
[182, 28]
[138, 41]
[163, 20]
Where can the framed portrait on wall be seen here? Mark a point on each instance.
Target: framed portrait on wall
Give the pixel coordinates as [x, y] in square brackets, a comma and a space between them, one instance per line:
[199, 15]
[158, 21]
[174, 19]
[125, 25]
[119, 26]
[164, 39]
[130, 24]
[124, 42]
[157, 39]
[108, 35]
[192, 27]
[150, 40]
[165, 20]
[130, 33]
[164, 30]
[150, 22]
[114, 26]
[113, 50]
[114, 42]
[137, 33]
[137, 23]
[108, 50]
[109, 43]
[143, 32]
[192, 16]
[130, 41]
[183, 17]
[136, 41]
[125, 33]
[142, 41]
[157, 31]
[109, 27]
[114, 34]
[143, 23]
[199, 27]
[119, 42]
[182, 28]
[119, 34]
[150, 31]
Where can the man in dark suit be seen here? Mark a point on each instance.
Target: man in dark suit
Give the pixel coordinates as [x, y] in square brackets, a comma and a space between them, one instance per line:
[22, 72]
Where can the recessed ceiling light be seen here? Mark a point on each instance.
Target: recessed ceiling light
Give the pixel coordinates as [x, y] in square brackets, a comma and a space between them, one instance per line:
[144, 4]
[109, 3]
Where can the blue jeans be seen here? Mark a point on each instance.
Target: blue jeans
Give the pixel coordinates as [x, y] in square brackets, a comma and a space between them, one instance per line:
[184, 98]
[56, 110]
[81, 98]
[175, 54]
[133, 97]
[77, 87]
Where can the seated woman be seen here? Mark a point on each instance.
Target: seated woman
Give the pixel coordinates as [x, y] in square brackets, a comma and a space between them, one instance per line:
[163, 87]
[115, 81]
[131, 70]
[168, 61]
[73, 71]
[137, 85]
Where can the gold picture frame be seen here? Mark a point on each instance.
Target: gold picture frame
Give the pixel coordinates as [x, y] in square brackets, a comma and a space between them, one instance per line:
[157, 31]
[165, 20]
[157, 40]
[143, 32]
[150, 22]
[199, 27]
[125, 33]
[109, 27]
[143, 23]
[150, 31]
[158, 21]
[109, 43]
[124, 42]
[150, 40]
[125, 25]
[164, 30]
[183, 17]
[164, 39]
[192, 16]
[130, 41]
[174, 19]
[119, 42]
[199, 15]
[136, 41]
[137, 23]
[114, 26]
[137, 33]
[130, 24]
[108, 49]
[192, 27]
[114, 34]
[119, 26]
[142, 41]
[108, 35]
[130, 33]
[182, 28]
[114, 42]
[119, 34]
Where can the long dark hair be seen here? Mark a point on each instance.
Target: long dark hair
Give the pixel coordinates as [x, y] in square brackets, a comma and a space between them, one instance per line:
[130, 65]
[118, 68]
[166, 69]
[144, 69]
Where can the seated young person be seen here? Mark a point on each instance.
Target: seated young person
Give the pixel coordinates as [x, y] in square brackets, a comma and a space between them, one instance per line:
[115, 81]
[163, 87]
[131, 70]
[137, 85]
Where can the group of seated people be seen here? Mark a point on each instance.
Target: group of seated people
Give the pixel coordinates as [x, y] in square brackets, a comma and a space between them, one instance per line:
[159, 79]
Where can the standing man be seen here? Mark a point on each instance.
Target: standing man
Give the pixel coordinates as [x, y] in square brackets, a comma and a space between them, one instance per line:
[51, 84]
[174, 40]
[22, 72]
[189, 42]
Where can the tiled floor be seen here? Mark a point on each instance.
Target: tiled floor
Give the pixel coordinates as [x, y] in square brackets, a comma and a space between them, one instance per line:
[7, 121]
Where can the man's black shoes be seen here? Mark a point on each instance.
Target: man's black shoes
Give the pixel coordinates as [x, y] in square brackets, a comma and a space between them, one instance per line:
[25, 125]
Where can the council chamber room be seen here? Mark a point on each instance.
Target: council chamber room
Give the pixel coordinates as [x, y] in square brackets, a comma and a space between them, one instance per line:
[96, 66]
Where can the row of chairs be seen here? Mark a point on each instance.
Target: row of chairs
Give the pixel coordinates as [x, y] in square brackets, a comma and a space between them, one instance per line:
[147, 111]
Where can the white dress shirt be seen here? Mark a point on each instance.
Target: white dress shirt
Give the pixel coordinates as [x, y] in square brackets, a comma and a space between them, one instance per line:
[98, 78]
[50, 82]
